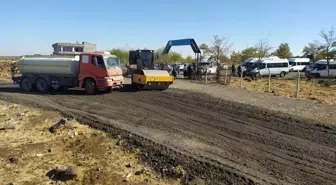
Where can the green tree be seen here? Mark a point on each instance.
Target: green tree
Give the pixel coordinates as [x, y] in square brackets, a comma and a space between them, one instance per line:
[250, 52]
[174, 57]
[283, 51]
[236, 57]
[189, 59]
[122, 54]
[314, 48]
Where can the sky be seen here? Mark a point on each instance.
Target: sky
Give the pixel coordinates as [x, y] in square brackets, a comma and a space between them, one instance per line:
[32, 26]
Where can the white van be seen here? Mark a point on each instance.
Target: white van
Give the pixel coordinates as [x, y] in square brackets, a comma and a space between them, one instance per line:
[320, 69]
[269, 65]
[298, 64]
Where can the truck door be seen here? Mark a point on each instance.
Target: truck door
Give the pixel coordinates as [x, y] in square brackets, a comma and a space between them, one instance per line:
[99, 70]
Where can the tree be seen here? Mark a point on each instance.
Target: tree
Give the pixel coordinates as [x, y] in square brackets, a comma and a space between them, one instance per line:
[250, 52]
[314, 48]
[221, 47]
[283, 51]
[189, 59]
[236, 57]
[263, 48]
[329, 39]
[122, 54]
[174, 57]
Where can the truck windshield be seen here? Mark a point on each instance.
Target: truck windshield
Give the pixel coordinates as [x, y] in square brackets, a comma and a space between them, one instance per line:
[111, 62]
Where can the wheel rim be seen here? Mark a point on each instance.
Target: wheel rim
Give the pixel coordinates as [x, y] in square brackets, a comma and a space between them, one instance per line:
[89, 87]
[41, 85]
[26, 84]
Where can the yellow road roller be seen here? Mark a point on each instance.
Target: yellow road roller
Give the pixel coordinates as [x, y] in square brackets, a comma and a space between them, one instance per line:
[146, 76]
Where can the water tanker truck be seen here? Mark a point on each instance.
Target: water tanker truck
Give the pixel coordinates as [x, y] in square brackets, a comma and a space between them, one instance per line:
[97, 71]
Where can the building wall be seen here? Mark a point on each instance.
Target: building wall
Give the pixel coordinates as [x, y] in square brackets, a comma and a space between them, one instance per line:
[60, 48]
[88, 47]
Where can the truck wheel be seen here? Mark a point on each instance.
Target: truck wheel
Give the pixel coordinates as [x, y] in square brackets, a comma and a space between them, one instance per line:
[90, 87]
[42, 85]
[26, 84]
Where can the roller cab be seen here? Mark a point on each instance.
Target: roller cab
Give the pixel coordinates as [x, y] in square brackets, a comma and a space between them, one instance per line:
[146, 77]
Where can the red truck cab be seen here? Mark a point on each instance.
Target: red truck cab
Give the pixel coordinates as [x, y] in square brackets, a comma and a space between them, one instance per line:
[99, 71]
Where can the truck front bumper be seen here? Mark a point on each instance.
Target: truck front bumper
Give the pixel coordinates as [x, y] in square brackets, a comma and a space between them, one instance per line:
[114, 84]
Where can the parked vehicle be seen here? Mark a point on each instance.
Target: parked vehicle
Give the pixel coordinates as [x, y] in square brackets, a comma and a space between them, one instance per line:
[97, 71]
[265, 66]
[248, 63]
[211, 69]
[298, 64]
[320, 69]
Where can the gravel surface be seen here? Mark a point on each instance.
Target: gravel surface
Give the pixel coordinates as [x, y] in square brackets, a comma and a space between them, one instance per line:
[295, 107]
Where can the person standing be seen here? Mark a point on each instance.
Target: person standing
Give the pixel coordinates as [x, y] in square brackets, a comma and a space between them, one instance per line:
[233, 70]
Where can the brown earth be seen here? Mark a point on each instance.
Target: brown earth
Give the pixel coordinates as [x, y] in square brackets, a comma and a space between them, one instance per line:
[5, 72]
[29, 152]
[221, 141]
[309, 90]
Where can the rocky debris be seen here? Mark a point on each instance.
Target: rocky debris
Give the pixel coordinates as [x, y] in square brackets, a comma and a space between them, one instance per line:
[127, 177]
[39, 155]
[129, 165]
[8, 126]
[142, 171]
[120, 142]
[196, 181]
[72, 134]
[50, 150]
[63, 173]
[30, 141]
[10, 183]
[178, 171]
[14, 160]
[57, 125]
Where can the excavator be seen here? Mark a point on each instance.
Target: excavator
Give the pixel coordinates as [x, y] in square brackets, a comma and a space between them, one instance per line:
[145, 76]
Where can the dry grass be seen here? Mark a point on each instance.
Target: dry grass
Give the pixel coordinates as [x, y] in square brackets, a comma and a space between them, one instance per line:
[98, 159]
[309, 90]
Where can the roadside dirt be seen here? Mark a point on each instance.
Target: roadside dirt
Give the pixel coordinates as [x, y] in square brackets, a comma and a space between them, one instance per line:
[29, 153]
[309, 90]
[221, 141]
[5, 72]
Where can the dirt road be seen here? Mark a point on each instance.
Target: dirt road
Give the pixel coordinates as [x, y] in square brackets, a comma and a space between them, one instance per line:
[224, 142]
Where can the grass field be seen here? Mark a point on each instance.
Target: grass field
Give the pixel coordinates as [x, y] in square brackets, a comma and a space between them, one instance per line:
[309, 90]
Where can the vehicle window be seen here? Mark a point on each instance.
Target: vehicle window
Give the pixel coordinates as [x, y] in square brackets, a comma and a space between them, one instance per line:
[262, 65]
[320, 67]
[303, 63]
[292, 63]
[271, 65]
[332, 66]
[85, 59]
[111, 62]
[285, 64]
[98, 61]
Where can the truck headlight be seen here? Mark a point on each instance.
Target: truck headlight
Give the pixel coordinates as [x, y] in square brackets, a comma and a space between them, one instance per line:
[152, 79]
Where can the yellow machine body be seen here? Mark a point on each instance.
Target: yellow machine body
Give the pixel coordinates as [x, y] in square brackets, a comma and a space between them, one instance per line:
[152, 79]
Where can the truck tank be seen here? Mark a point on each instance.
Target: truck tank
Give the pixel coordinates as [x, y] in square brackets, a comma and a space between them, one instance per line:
[51, 65]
